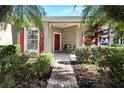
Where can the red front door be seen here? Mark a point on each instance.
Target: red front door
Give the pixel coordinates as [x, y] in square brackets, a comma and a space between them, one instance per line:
[56, 41]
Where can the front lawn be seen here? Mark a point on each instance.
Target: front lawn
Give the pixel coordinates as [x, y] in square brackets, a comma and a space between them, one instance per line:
[100, 67]
[16, 70]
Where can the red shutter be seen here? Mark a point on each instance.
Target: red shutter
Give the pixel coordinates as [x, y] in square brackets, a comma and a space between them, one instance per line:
[22, 39]
[41, 42]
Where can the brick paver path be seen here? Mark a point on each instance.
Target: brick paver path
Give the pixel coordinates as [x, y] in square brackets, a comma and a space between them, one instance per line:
[62, 74]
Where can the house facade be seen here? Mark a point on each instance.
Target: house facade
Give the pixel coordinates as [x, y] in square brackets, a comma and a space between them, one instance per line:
[57, 32]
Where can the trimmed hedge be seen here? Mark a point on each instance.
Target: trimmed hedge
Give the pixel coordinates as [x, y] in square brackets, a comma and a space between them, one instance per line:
[110, 60]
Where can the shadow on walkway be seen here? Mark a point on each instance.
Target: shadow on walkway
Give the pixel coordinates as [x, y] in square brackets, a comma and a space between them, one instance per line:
[62, 75]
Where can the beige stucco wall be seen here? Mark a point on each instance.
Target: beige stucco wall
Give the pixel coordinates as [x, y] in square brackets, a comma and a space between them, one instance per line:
[69, 36]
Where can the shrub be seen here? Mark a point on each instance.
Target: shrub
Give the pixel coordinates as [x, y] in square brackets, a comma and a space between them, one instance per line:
[114, 69]
[94, 54]
[14, 68]
[13, 61]
[110, 61]
[81, 53]
[9, 50]
[43, 64]
[8, 82]
[87, 55]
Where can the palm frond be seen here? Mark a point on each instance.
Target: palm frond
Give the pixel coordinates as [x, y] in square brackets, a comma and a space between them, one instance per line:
[96, 16]
[23, 15]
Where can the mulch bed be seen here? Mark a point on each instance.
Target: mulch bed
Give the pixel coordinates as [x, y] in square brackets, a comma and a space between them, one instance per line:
[87, 77]
[36, 83]
[91, 76]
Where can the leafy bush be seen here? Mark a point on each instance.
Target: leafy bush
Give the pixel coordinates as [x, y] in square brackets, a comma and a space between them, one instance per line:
[15, 69]
[113, 67]
[114, 45]
[94, 54]
[110, 60]
[9, 50]
[43, 64]
[8, 82]
[81, 53]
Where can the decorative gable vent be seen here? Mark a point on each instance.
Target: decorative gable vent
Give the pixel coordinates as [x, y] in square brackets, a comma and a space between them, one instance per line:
[3, 26]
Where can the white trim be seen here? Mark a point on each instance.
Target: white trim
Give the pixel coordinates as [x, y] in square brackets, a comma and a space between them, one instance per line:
[25, 40]
[62, 19]
[60, 40]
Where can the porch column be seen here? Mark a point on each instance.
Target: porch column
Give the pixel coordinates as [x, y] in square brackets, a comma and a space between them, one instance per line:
[83, 39]
[46, 37]
[77, 36]
[82, 36]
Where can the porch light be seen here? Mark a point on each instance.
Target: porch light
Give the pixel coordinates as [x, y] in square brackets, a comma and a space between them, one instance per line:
[65, 29]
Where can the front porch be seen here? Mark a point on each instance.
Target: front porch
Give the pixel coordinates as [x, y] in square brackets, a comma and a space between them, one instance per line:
[64, 37]
[61, 31]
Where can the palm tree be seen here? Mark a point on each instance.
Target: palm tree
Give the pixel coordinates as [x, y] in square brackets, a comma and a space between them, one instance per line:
[96, 16]
[22, 15]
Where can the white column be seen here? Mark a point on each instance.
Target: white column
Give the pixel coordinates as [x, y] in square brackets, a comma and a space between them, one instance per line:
[50, 39]
[83, 39]
[77, 36]
[46, 37]
[81, 36]
[82, 30]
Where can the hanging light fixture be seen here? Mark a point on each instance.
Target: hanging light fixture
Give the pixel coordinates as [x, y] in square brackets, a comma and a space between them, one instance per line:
[65, 29]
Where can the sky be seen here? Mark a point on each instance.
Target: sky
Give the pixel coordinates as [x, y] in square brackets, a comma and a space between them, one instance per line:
[62, 10]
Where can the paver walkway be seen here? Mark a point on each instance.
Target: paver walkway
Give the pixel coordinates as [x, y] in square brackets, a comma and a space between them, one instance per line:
[62, 74]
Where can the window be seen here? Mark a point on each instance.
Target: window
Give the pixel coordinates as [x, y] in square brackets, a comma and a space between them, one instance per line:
[32, 40]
